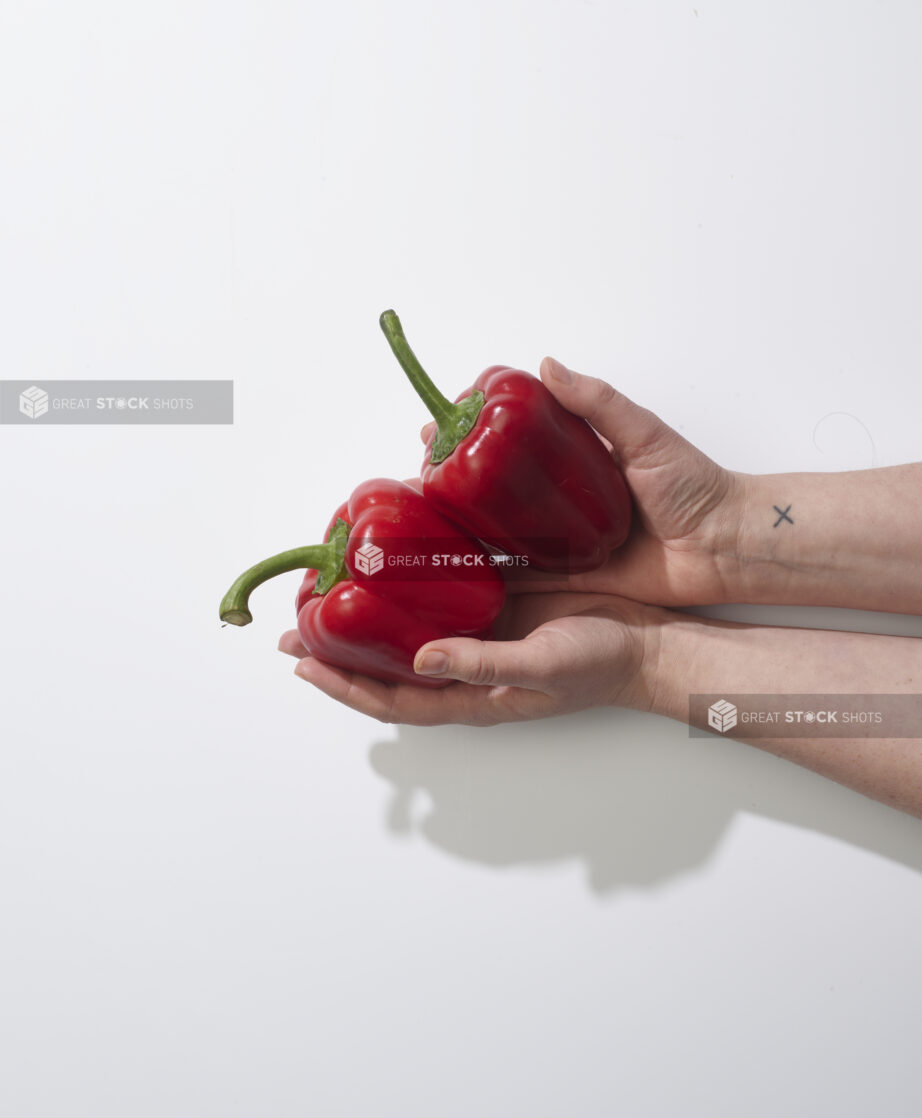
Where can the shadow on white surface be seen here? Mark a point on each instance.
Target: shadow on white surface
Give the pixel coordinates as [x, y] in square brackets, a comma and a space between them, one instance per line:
[629, 795]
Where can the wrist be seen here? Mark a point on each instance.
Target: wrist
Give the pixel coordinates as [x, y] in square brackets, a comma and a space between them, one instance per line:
[728, 541]
[687, 655]
[766, 562]
[663, 642]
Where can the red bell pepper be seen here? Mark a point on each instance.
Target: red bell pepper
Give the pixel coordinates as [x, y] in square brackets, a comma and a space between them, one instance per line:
[417, 578]
[516, 469]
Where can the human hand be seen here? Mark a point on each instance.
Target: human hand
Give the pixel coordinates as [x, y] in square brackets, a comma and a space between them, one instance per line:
[703, 535]
[559, 652]
[555, 653]
[682, 543]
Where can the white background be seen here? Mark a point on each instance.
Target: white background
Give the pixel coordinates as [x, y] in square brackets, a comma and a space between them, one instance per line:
[225, 895]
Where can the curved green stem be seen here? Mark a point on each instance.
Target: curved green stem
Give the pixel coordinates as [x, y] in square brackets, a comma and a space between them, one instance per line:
[454, 421]
[327, 559]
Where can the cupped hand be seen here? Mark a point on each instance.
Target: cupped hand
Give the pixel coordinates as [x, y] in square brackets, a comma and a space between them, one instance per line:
[683, 539]
[555, 653]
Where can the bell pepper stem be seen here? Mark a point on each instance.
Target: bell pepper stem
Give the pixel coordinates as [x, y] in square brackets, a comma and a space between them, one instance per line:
[327, 559]
[454, 421]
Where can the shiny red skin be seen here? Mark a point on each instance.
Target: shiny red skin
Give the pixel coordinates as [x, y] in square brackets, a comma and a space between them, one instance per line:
[376, 625]
[532, 479]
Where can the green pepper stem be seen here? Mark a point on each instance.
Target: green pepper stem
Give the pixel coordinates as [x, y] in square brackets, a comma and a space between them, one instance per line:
[327, 559]
[454, 421]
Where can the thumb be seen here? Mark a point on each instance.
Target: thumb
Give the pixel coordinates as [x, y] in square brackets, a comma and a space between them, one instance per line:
[496, 663]
[616, 418]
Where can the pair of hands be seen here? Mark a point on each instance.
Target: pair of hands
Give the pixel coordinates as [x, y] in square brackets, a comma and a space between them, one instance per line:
[571, 642]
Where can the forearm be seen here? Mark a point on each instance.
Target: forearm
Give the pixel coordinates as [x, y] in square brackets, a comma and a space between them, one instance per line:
[847, 539]
[692, 656]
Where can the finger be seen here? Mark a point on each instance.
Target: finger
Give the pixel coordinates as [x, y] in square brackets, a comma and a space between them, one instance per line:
[290, 642]
[484, 663]
[361, 693]
[427, 431]
[631, 429]
[456, 704]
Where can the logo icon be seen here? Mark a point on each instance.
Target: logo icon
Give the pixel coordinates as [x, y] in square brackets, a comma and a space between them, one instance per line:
[33, 402]
[369, 558]
[722, 716]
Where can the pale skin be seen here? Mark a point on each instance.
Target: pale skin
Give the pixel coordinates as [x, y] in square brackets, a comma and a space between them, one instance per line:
[703, 535]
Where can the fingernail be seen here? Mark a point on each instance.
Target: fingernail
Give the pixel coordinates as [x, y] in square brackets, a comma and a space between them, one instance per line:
[560, 372]
[431, 663]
